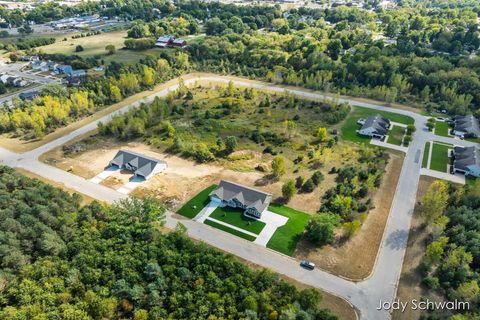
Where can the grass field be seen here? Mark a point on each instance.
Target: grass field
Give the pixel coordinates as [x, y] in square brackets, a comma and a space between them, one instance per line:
[196, 204]
[95, 46]
[235, 217]
[350, 126]
[425, 155]
[441, 129]
[285, 239]
[440, 159]
[229, 230]
[395, 136]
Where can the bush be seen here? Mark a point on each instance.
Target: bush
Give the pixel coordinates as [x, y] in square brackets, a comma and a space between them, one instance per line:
[317, 177]
[299, 182]
[320, 229]
[308, 186]
[431, 282]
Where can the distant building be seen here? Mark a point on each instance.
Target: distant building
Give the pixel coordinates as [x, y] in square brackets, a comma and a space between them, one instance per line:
[80, 73]
[38, 65]
[234, 195]
[64, 69]
[467, 161]
[179, 43]
[141, 165]
[375, 127]
[466, 127]
[74, 82]
[32, 95]
[165, 41]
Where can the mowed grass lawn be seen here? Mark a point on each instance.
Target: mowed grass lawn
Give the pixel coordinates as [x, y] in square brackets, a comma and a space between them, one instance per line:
[440, 159]
[395, 135]
[442, 128]
[350, 126]
[235, 217]
[286, 237]
[425, 155]
[229, 230]
[197, 203]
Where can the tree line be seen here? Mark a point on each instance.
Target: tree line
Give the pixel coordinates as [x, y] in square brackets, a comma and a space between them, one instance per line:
[60, 260]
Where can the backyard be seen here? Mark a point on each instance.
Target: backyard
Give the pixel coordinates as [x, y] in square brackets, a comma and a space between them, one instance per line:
[350, 125]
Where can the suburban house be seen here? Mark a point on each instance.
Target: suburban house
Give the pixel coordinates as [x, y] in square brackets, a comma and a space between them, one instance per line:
[80, 73]
[64, 69]
[39, 65]
[467, 161]
[31, 95]
[141, 165]
[164, 41]
[466, 127]
[235, 195]
[375, 127]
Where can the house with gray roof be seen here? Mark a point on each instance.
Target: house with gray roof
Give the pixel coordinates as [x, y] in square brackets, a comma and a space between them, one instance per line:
[467, 161]
[375, 126]
[466, 127]
[235, 195]
[141, 165]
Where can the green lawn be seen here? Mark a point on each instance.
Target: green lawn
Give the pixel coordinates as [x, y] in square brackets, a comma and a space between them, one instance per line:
[197, 203]
[441, 129]
[285, 239]
[350, 126]
[425, 155]
[229, 230]
[440, 158]
[471, 181]
[395, 135]
[235, 217]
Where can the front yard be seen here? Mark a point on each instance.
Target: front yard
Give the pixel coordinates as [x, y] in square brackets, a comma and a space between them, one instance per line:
[286, 237]
[442, 128]
[395, 135]
[440, 159]
[236, 218]
[197, 203]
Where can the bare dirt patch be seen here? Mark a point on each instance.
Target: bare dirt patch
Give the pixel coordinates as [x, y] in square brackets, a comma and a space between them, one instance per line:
[410, 286]
[355, 259]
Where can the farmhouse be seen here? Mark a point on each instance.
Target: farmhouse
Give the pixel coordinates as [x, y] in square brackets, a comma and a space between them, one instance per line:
[467, 161]
[466, 126]
[141, 165]
[238, 196]
[164, 41]
[179, 43]
[376, 127]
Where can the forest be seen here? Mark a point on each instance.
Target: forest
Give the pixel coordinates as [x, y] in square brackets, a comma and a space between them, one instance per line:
[452, 258]
[63, 261]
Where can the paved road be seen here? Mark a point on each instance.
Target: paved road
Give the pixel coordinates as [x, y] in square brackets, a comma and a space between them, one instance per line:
[364, 295]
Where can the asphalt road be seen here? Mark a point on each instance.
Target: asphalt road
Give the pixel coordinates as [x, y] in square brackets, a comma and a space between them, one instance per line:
[364, 295]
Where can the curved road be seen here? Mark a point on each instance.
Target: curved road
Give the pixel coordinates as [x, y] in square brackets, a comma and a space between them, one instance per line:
[364, 295]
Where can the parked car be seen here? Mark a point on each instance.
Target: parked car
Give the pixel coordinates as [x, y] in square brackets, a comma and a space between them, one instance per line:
[307, 264]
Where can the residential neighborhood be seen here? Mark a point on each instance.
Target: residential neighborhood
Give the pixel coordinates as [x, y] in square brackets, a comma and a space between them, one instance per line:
[238, 159]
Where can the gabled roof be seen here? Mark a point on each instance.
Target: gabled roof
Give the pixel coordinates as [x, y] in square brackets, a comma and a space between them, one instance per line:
[378, 123]
[468, 124]
[251, 198]
[466, 157]
[166, 38]
[144, 165]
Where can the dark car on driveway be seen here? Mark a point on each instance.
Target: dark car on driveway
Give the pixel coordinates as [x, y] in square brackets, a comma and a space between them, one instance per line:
[307, 264]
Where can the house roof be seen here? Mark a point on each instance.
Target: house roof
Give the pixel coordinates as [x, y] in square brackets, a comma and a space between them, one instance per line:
[179, 41]
[144, 164]
[29, 95]
[165, 39]
[251, 198]
[466, 157]
[468, 124]
[378, 123]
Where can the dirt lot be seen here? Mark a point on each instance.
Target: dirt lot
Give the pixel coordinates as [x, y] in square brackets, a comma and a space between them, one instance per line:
[185, 178]
[409, 286]
[355, 258]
